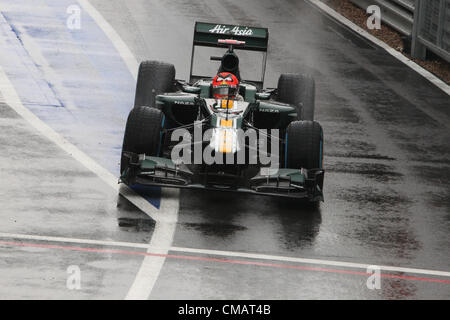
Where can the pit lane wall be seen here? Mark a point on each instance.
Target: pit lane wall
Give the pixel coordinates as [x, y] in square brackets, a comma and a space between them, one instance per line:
[426, 22]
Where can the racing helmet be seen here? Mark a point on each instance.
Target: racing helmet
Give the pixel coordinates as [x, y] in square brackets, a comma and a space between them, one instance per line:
[225, 85]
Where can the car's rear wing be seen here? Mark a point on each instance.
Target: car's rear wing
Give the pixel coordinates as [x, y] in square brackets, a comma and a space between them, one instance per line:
[209, 34]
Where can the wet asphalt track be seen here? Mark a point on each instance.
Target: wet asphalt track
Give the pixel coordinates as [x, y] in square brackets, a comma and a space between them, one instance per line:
[386, 154]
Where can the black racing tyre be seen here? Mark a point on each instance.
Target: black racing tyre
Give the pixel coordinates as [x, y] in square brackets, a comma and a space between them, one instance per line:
[154, 77]
[298, 90]
[304, 145]
[142, 133]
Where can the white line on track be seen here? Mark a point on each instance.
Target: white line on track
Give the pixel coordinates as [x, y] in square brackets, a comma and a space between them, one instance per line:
[166, 220]
[423, 72]
[115, 39]
[162, 238]
[155, 249]
[12, 99]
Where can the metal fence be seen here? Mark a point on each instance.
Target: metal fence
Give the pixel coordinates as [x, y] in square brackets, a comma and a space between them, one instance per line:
[398, 14]
[426, 22]
[431, 30]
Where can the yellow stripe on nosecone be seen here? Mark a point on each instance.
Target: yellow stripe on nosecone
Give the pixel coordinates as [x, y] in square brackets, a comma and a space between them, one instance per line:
[226, 123]
[226, 141]
[227, 104]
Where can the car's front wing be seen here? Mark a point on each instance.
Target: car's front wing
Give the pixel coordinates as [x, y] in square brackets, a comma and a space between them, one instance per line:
[291, 183]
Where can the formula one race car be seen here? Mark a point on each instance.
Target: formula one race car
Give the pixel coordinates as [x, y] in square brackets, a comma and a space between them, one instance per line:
[225, 132]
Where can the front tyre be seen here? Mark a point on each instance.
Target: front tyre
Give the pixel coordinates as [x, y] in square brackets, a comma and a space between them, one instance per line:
[304, 145]
[304, 148]
[142, 133]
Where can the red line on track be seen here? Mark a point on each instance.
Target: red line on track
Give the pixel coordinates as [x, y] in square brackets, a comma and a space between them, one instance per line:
[254, 263]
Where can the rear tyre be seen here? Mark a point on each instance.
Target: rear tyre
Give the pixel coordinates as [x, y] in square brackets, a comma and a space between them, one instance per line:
[298, 90]
[154, 77]
[142, 133]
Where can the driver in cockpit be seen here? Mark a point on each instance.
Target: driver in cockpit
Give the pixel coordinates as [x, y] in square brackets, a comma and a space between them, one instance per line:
[226, 86]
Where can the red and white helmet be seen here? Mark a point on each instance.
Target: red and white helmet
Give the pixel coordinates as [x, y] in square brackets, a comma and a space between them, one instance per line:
[225, 85]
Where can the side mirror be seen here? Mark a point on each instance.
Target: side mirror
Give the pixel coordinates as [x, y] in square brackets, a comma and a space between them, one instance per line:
[191, 89]
[262, 95]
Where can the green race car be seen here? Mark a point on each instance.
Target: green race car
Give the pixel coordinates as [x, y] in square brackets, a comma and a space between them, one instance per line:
[225, 132]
